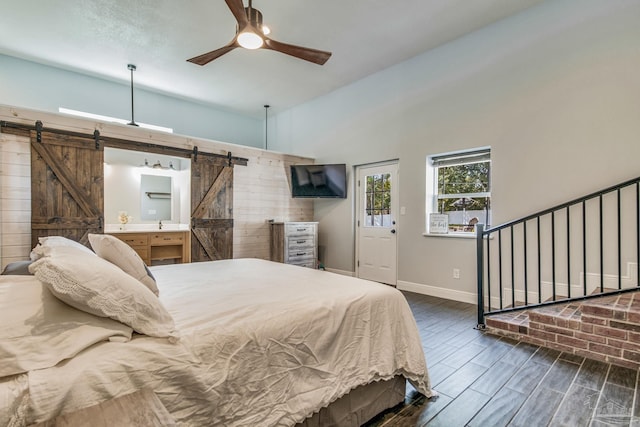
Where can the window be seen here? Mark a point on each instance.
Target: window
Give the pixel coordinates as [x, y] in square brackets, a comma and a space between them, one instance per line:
[459, 186]
[378, 200]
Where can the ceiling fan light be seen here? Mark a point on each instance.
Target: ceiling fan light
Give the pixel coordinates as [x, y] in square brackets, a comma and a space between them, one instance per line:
[266, 30]
[250, 40]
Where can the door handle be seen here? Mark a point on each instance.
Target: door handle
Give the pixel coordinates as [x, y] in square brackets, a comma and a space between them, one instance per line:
[393, 231]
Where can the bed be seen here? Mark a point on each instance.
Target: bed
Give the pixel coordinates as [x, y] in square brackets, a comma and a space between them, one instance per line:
[248, 342]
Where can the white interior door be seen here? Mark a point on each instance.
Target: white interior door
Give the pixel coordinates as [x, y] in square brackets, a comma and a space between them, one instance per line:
[377, 223]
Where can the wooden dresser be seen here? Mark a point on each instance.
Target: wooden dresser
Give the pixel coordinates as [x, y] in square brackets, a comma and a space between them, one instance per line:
[295, 243]
[159, 247]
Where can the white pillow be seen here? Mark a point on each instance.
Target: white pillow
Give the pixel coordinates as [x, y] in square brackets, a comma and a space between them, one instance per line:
[55, 241]
[38, 330]
[119, 253]
[94, 285]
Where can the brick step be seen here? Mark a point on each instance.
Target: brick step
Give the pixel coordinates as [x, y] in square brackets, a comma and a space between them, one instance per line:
[606, 328]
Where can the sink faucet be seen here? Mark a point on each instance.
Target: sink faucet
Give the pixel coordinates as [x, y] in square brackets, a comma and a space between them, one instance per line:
[160, 225]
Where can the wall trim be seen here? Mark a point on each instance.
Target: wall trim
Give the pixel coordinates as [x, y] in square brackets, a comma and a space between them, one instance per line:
[436, 291]
[419, 288]
[343, 272]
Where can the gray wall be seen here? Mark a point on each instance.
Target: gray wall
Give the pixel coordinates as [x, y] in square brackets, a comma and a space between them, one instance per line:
[555, 91]
[40, 87]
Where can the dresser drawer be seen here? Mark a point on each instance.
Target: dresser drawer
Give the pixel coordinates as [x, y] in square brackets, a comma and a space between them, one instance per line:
[300, 242]
[158, 239]
[294, 230]
[301, 255]
[305, 263]
[134, 240]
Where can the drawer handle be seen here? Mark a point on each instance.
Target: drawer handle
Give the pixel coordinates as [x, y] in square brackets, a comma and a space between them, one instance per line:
[301, 253]
[302, 229]
[300, 241]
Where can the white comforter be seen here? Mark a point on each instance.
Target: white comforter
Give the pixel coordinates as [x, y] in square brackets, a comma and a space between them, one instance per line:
[262, 344]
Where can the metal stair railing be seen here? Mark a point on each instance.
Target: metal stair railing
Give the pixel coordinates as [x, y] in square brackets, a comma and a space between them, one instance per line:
[574, 251]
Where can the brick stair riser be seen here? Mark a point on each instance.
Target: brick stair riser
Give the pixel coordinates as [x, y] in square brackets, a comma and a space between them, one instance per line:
[606, 332]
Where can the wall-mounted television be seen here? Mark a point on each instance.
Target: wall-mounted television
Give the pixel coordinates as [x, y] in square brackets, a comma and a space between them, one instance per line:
[319, 181]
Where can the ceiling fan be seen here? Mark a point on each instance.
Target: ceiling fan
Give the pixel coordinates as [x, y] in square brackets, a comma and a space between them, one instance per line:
[250, 34]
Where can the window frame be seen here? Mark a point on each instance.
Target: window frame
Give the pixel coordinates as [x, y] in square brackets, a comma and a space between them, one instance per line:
[455, 158]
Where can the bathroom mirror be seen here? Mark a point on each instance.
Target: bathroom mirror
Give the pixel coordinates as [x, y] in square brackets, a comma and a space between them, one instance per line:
[155, 195]
[126, 174]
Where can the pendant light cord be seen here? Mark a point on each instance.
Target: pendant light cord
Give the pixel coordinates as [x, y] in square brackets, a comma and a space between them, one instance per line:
[266, 133]
[132, 68]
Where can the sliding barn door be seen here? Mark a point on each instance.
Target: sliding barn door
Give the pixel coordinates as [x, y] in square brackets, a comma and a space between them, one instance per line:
[67, 186]
[211, 209]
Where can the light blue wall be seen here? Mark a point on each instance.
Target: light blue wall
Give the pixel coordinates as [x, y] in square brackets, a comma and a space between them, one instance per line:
[39, 87]
[554, 91]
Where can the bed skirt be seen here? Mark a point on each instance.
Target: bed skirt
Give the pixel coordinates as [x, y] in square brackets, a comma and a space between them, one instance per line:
[360, 405]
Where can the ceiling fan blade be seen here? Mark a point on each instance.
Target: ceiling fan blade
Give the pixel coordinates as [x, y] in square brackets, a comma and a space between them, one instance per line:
[237, 8]
[312, 55]
[210, 56]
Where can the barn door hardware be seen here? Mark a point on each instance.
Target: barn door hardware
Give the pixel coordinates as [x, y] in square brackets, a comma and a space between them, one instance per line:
[229, 158]
[195, 154]
[39, 131]
[96, 138]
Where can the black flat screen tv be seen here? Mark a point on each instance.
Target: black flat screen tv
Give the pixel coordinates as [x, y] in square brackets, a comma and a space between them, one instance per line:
[319, 181]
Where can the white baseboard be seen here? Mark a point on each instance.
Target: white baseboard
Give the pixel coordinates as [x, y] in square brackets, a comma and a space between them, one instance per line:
[435, 291]
[343, 272]
[420, 288]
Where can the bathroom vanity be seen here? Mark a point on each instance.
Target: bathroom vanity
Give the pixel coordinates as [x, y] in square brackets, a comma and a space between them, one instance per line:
[158, 246]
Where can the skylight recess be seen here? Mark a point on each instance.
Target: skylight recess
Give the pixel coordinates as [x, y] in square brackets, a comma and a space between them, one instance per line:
[111, 119]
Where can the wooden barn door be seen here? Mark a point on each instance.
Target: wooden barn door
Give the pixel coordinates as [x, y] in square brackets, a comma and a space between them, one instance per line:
[67, 186]
[211, 208]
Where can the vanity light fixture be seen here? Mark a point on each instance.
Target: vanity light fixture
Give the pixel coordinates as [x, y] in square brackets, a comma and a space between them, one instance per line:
[158, 165]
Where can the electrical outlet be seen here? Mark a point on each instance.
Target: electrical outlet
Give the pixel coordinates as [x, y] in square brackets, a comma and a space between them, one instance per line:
[456, 273]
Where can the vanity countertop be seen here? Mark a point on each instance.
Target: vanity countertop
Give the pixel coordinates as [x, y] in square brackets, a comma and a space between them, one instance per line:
[145, 228]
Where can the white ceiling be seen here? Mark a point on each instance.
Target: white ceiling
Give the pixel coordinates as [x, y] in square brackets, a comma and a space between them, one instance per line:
[100, 37]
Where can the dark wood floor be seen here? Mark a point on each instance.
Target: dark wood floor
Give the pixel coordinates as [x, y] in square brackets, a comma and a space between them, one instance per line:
[483, 380]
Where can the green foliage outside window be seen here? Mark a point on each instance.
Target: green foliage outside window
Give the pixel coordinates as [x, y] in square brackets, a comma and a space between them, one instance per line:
[465, 189]
[470, 179]
[378, 196]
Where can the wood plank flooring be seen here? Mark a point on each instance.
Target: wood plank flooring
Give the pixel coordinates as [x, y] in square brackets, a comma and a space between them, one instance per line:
[483, 380]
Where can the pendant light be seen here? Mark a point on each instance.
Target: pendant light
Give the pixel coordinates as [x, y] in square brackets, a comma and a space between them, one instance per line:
[132, 68]
[266, 134]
